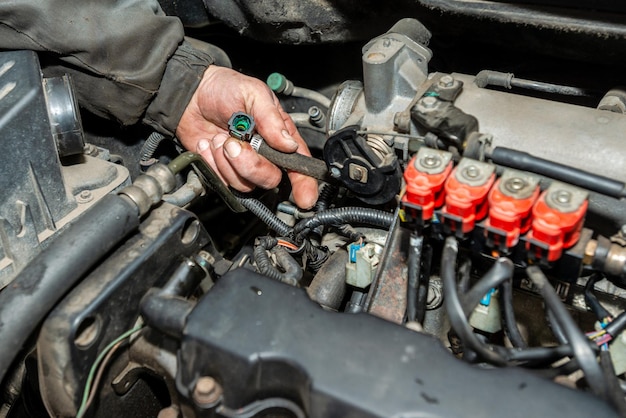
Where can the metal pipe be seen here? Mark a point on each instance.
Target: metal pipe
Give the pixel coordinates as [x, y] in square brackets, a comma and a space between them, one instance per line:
[208, 177]
[44, 281]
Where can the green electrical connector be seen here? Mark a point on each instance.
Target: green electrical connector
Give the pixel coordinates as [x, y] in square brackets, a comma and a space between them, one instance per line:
[241, 126]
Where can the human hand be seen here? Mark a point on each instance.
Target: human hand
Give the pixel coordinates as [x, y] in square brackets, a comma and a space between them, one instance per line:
[203, 128]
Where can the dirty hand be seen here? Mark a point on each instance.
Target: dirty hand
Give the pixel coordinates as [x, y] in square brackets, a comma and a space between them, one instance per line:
[203, 128]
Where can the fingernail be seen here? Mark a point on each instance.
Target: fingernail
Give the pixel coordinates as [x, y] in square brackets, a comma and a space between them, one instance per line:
[232, 148]
[203, 145]
[288, 137]
[218, 140]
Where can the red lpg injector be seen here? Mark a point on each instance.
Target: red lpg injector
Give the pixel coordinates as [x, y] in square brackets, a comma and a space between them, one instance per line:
[466, 195]
[558, 218]
[510, 204]
[424, 176]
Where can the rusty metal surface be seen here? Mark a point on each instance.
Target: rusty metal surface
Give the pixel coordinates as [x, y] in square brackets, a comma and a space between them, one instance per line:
[387, 295]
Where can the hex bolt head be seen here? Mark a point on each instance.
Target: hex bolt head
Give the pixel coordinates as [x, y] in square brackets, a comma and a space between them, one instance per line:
[207, 391]
[514, 184]
[431, 161]
[428, 102]
[471, 172]
[446, 81]
[563, 196]
[84, 197]
[335, 172]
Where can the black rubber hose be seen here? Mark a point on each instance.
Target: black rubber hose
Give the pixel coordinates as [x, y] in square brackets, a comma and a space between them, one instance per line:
[592, 301]
[45, 280]
[168, 314]
[454, 308]
[465, 270]
[557, 331]
[414, 260]
[507, 80]
[349, 215]
[580, 344]
[184, 280]
[540, 354]
[501, 271]
[328, 287]
[616, 395]
[424, 281]
[499, 276]
[524, 161]
[508, 316]
[618, 325]
[166, 309]
[264, 214]
[309, 166]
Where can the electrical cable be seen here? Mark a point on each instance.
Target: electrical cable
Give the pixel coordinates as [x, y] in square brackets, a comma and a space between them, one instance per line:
[347, 215]
[264, 214]
[580, 344]
[101, 369]
[103, 354]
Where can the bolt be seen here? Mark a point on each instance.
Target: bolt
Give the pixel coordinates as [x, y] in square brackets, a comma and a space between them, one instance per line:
[84, 196]
[91, 150]
[434, 297]
[335, 172]
[207, 391]
[357, 175]
[315, 113]
[446, 81]
[386, 43]
[429, 102]
[514, 184]
[579, 301]
[623, 230]
[563, 196]
[431, 161]
[471, 172]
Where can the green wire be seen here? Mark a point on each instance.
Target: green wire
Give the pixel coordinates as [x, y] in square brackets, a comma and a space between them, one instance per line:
[94, 367]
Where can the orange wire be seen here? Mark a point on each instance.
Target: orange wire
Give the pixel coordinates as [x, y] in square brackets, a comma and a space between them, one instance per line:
[287, 244]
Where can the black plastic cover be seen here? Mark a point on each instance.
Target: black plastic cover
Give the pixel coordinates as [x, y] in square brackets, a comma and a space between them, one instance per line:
[262, 339]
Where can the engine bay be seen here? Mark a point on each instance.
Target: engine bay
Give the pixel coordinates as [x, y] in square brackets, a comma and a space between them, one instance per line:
[466, 255]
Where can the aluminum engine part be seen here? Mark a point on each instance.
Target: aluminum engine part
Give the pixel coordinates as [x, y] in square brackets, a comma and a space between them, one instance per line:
[38, 194]
[394, 66]
[107, 300]
[581, 137]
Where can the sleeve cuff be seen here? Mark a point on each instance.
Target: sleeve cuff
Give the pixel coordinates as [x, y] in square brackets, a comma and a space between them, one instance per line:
[182, 76]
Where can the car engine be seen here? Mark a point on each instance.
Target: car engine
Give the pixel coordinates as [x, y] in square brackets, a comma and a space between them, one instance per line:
[466, 256]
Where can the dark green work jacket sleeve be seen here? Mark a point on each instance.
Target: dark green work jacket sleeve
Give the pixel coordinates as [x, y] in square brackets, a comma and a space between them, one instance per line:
[128, 60]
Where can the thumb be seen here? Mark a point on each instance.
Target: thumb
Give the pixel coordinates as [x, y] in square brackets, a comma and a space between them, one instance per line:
[272, 127]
